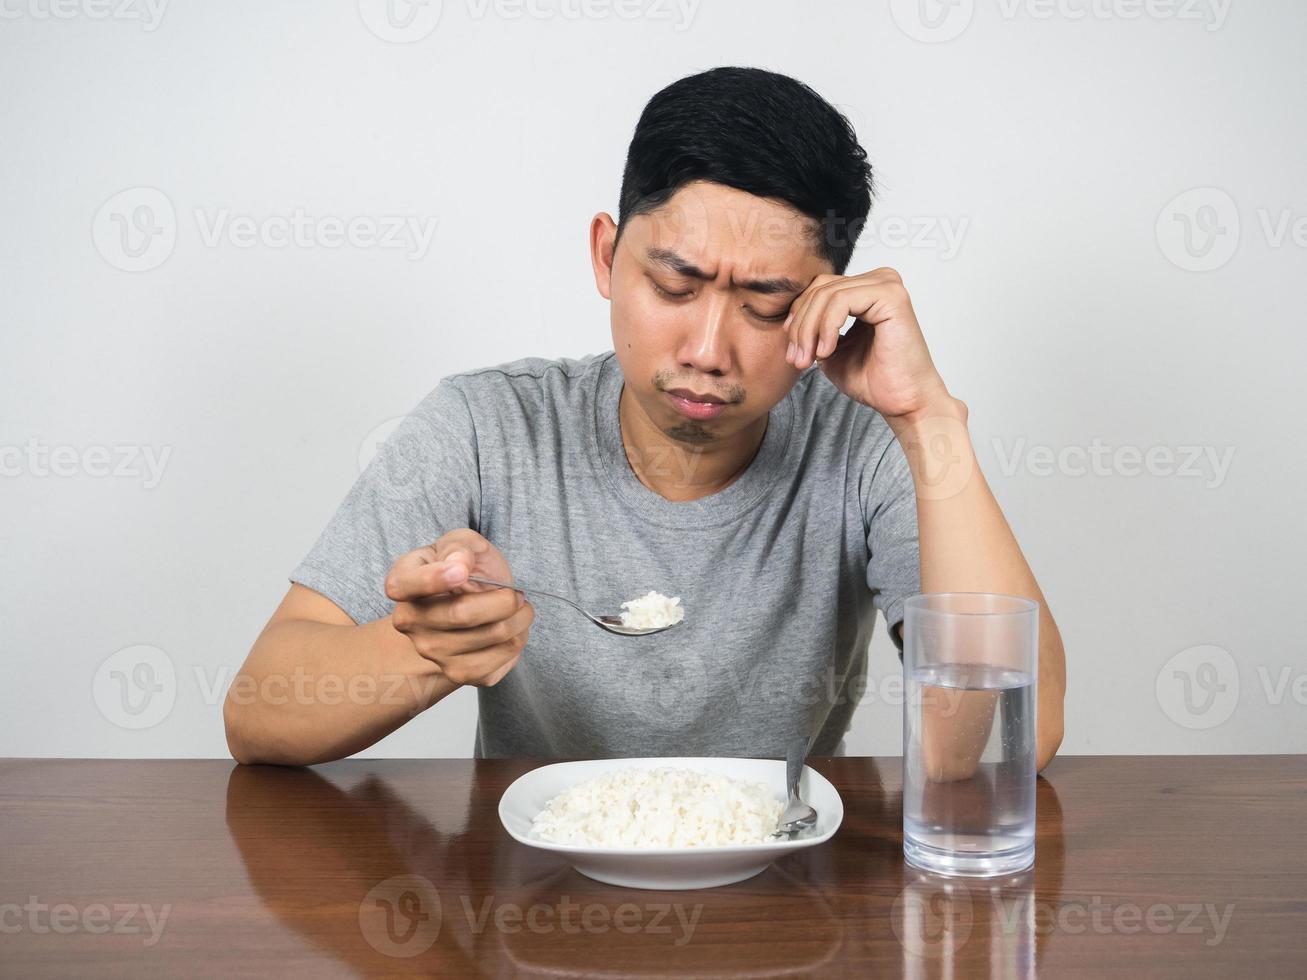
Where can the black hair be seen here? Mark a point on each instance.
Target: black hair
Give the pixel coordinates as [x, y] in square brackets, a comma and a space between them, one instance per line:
[760, 132]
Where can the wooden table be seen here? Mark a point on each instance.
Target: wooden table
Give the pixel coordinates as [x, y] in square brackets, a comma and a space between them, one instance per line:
[1146, 866]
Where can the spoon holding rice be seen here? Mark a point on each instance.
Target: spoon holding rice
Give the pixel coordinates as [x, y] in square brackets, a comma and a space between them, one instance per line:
[622, 625]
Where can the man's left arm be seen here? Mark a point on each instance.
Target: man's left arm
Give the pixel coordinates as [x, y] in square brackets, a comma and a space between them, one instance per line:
[965, 541]
[967, 546]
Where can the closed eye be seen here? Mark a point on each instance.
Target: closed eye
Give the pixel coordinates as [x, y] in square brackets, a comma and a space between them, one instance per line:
[668, 293]
[766, 318]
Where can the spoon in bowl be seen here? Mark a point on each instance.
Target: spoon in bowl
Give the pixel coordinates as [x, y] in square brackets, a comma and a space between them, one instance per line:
[613, 624]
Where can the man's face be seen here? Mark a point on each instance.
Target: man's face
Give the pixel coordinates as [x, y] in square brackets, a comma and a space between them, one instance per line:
[700, 290]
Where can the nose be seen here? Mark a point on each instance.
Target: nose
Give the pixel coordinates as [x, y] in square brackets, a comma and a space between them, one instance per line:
[705, 345]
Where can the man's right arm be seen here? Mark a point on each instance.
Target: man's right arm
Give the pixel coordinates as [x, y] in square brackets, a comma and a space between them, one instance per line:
[317, 686]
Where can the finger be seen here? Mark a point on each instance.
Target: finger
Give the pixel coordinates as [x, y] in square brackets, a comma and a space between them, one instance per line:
[826, 315]
[793, 324]
[835, 313]
[458, 565]
[788, 327]
[428, 579]
[417, 557]
[810, 334]
[498, 675]
[798, 315]
[847, 350]
[829, 337]
[470, 612]
[463, 537]
[807, 319]
[435, 569]
[461, 549]
[859, 334]
[480, 669]
[885, 274]
[813, 331]
[866, 301]
[418, 573]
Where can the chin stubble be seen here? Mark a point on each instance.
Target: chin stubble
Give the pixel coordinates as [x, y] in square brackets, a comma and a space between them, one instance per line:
[689, 430]
[692, 432]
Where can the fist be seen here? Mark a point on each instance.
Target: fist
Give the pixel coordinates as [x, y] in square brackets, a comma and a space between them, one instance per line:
[474, 633]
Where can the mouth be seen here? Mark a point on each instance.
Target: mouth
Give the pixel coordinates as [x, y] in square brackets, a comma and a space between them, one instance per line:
[695, 405]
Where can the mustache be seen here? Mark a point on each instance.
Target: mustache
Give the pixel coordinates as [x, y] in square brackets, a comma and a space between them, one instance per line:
[667, 380]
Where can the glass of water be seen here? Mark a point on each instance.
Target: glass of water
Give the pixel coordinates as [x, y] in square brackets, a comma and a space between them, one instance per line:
[970, 661]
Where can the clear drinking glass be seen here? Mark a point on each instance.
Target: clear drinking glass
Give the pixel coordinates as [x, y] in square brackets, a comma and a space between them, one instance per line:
[970, 662]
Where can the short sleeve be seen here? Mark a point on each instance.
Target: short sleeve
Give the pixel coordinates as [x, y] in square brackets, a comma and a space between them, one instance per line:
[423, 482]
[890, 512]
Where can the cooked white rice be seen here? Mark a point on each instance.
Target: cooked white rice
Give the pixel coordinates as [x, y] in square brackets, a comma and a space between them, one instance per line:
[652, 611]
[662, 807]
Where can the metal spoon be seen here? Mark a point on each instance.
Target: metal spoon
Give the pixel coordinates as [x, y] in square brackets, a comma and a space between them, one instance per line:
[613, 624]
[798, 817]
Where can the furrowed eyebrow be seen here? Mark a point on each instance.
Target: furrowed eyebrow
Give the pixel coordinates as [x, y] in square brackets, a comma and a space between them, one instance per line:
[670, 260]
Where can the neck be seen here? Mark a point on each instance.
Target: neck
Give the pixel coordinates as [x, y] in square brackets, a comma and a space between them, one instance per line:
[678, 470]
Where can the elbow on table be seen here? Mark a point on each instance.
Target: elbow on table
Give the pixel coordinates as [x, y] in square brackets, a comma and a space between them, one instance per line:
[244, 745]
[251, 745]
[1049, 741]
[1051, 724]
[235, 727]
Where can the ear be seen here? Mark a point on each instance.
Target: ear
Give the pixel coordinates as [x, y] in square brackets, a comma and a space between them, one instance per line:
[603, 246]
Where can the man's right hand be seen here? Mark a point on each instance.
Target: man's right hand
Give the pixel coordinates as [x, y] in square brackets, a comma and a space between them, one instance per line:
[475, 633]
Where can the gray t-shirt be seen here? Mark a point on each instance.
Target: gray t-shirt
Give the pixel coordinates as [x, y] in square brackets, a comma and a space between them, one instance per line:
[780, 573]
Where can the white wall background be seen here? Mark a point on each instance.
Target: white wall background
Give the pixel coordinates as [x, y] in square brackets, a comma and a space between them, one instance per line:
[1064, 146]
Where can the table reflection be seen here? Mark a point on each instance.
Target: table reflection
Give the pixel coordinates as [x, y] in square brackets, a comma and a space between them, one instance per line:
[952, 926]
[394, 884]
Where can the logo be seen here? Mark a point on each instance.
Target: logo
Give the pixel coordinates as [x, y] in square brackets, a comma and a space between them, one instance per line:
[683, 224]
[401, 916]
[398, 454]
[136, 687]
[932, 917]
[661, 689]
[374, 440]
[400, 21]
[932, 21]
[940, 447]
[1199, 230]
[1199, 687]
[136, 229]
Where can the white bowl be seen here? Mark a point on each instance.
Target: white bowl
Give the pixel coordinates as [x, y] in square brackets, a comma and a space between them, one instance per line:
[668, 867]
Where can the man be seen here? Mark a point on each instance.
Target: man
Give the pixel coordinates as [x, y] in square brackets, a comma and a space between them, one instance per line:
[734, 450]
